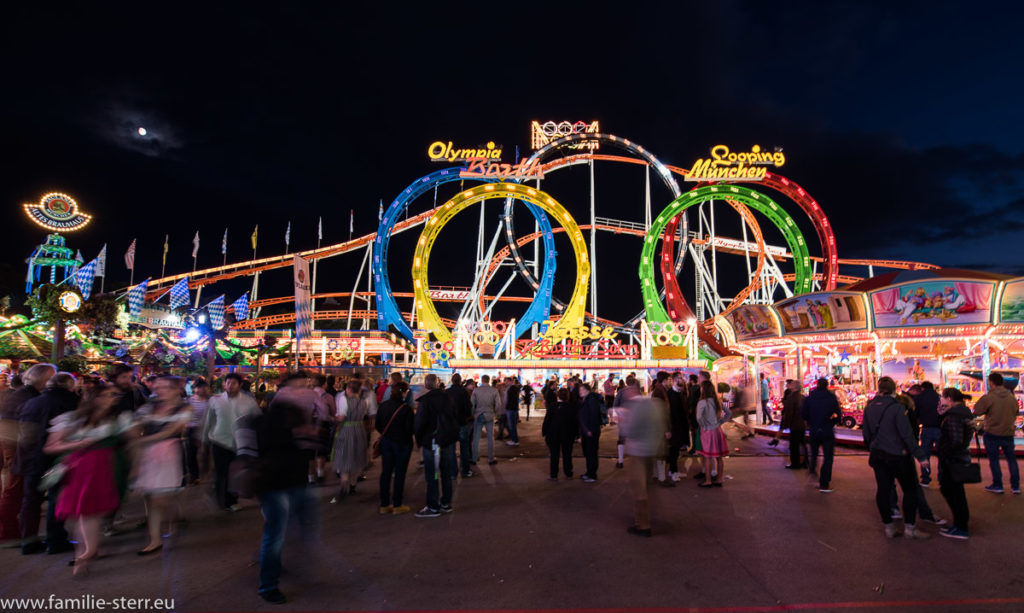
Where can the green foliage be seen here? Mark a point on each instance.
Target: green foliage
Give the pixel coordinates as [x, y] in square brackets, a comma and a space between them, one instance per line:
[100, 312]
[72, 364]
[723, 387]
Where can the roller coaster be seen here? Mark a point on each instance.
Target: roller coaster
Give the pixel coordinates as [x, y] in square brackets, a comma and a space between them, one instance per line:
[668, 239]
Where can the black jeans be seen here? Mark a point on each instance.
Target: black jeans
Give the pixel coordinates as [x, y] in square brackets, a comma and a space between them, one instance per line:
[589, 445]
[565, 447]
[889, 469]
[191, 454]
[796, 446]
[394, 459]
[680, 440]
[826, 439]
[31, 509]
[955, 497]
[221, 464]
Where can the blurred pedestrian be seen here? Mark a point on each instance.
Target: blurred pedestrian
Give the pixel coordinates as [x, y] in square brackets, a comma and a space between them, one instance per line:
[160, 426]
[348, 457]
[200, 401]
[219, 427]
[643, 422]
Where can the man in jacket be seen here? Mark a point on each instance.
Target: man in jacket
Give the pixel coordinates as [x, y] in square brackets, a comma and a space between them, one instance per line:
[821, 411]
[35, 379]
[793, 420]
[485, 405]
[512, 411]
[437, 457]
[219, 433]
[679, 423]
[999, 408]
[893, 446]
[463, 408]
[927, 403]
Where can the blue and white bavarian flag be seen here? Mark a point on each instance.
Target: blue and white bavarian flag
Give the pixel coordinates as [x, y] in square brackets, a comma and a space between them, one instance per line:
[179, 293]
[84, 278]
[216, 310]
[241, 307]
[136, 296]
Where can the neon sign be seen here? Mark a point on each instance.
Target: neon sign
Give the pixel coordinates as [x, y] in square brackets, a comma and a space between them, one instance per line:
[479, 167]
[725, 165]
[448, 295]
[57, 212]
[543, 133]
[571, 342]
[440, 151]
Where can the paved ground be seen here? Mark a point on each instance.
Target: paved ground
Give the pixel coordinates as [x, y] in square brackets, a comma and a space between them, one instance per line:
[766, 541]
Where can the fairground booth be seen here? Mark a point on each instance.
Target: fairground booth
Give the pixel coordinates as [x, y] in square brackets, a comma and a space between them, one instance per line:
[950, 327]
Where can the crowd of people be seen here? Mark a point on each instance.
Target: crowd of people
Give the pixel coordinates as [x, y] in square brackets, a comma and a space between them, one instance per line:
[85, 443]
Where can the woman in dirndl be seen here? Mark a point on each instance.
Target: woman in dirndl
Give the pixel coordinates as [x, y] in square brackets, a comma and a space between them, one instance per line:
[92, 469]
[713, 445]
[160, 425]
[348, 456]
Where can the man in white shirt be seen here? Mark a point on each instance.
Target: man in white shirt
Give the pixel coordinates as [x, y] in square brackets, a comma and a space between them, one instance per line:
[219, 433]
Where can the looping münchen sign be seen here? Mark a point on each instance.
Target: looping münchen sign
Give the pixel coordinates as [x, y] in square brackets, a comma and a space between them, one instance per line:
[725, 165]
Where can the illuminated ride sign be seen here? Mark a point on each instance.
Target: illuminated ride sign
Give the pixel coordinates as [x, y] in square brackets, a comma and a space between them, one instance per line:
[571, 342]
[725, 165]
[543, 133]
[449, 295]
[70, 301]
[440, 151]
[57, 212]
[481, 168]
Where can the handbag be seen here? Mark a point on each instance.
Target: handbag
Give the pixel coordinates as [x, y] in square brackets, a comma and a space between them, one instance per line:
[375, 448]
[53, 477]
[966, 472]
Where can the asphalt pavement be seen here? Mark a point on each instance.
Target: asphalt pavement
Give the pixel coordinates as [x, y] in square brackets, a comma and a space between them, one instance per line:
[766, 541]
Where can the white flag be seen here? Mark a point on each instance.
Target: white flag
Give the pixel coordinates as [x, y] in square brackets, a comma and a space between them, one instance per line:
[224, 243]
[320, 230]
[288, 235]
[101, 262]
[351, 220]
[195, 245]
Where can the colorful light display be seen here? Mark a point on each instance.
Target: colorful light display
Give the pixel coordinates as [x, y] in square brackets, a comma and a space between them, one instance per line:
[57, 213]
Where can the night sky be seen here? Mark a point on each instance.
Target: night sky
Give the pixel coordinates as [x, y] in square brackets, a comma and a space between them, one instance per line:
[901, 119]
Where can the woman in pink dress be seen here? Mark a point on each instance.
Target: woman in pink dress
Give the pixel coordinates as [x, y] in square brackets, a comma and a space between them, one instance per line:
[86, 437]
[160, 425]
[714, 447]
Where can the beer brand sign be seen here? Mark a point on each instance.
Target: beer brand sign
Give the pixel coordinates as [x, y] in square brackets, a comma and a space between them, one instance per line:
[726, 165]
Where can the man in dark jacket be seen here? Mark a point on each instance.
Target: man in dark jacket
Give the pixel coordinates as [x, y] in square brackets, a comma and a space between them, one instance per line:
[590, 429]
[35, 379]
[927, 402]
[512, 411]
[132, 395]
[692, 398]
[463, 408]
[794, 421]
[438, 457]
[821, 411]
[892, 444]
[31, 463]
[679, 423]
[285, 467]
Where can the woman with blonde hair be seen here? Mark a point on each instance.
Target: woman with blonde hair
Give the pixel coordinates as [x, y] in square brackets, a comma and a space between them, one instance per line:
[714, 447]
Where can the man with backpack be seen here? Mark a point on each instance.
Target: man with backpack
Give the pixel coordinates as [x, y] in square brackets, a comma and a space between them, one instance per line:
[436, 433]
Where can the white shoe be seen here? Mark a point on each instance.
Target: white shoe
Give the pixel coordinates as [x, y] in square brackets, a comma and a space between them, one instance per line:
[892, 530]
[674, 476]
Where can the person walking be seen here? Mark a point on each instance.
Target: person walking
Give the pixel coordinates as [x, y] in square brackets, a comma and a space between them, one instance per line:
[485, 403]
[999, 408]
[30, 463]
[160, 425]
[893, 446]
[394, 422]
[528, 399]
[590, 429]
[793, 420]
[436, 433]
[348, 457]
[222, 414]
[953, 447]
[713, 446]
[463, 408]
[821, 412]
[560, 428]
[643, 421]
[200, 401]
[12, 493]
[284, 494]
[86, 438]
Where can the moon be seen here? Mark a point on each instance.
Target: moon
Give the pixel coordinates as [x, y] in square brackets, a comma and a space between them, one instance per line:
[142, 131]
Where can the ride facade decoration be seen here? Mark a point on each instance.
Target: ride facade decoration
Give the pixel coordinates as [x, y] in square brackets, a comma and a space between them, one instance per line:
[426, 312]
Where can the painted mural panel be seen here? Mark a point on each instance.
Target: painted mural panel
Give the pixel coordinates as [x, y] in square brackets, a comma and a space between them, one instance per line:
[933, 303]
[822, 312]
[1011, 308]
[753, 321]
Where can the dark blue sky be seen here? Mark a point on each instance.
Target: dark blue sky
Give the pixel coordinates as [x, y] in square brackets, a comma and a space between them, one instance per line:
[900, 118]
